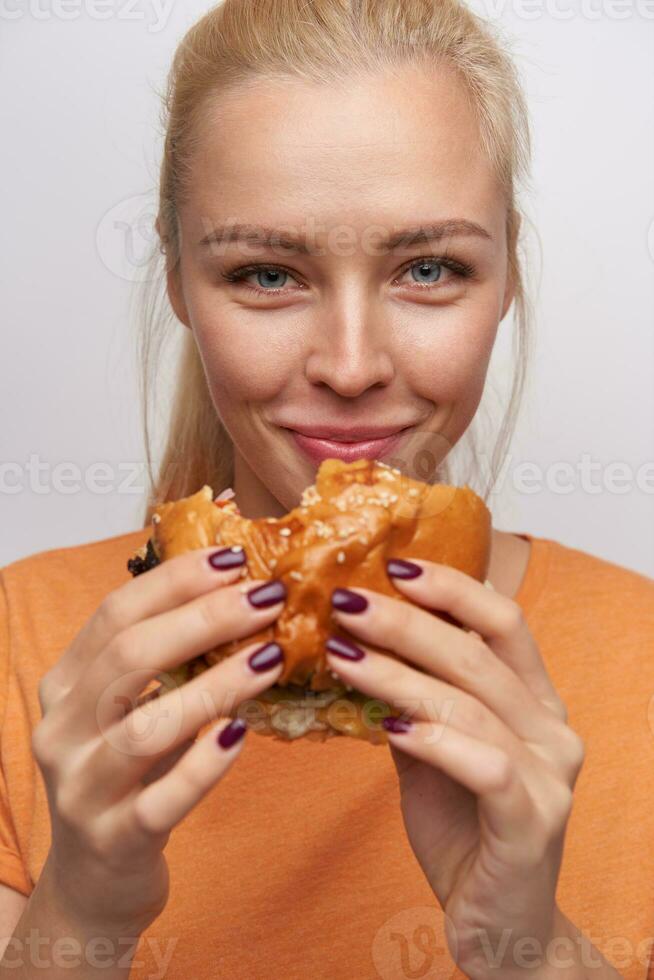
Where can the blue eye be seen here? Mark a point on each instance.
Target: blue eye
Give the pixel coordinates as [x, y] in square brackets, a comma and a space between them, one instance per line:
[427, 268]
[270, 277]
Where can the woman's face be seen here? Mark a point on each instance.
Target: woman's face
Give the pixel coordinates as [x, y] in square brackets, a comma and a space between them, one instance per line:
[341, 332]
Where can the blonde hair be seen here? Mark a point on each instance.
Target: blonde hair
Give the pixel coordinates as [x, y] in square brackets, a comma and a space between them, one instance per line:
[324, 41]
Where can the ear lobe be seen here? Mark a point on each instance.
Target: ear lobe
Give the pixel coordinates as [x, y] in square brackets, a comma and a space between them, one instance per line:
[176, 296]
[509, 293]
[173, 286]
[513, 230]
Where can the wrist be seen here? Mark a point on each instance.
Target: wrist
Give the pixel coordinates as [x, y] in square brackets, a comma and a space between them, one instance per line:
[74, 914]
[566, 955]
[570, 955]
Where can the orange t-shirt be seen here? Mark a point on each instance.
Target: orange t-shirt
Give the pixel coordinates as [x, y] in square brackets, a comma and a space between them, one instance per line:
[297, 864]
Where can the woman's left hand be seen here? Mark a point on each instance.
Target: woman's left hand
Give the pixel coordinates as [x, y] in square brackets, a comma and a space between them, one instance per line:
[488, 767]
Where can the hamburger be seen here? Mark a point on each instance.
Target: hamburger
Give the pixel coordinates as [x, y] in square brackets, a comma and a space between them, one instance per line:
[354, 517]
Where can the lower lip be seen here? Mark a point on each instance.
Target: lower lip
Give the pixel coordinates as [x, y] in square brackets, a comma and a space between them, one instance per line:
[319, 449]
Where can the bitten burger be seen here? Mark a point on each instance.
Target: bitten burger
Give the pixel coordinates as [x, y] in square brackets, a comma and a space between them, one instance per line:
[354, 517]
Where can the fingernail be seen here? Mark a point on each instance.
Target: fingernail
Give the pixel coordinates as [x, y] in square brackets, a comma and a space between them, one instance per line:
[266, 657]
[344, 648]
[396, 725]
[267, 594]
[399, 568]
[231, 733]
[347, 601]
[227, 557]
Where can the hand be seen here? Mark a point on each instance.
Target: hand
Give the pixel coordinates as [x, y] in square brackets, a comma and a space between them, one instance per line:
[488, 767]
[117, 782]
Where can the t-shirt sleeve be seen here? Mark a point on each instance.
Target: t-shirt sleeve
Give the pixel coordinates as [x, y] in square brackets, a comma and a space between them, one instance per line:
[12, 868]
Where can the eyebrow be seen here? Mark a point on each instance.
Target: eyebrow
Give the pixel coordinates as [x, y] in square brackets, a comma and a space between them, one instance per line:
[262, 235]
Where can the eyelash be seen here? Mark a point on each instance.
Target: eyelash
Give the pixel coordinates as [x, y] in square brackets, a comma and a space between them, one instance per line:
[462, 269]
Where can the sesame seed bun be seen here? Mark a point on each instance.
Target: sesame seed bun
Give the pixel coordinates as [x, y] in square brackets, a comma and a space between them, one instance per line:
[354, 517]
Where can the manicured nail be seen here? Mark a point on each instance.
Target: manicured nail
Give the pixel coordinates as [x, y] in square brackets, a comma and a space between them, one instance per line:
[399, 568]
[347, 601]
[227, 557]
[267, 594]
[231, 733]
[266, 657]
[344, 648]
[396, 725]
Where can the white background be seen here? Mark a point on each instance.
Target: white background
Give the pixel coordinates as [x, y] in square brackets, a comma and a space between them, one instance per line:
[81, 149]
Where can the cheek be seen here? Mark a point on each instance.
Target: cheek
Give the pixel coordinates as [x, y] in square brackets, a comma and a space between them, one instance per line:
[242, 360]
[447, 359]
[240, 367]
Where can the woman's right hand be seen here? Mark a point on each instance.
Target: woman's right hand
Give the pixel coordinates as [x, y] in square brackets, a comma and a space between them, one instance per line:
[117, 782]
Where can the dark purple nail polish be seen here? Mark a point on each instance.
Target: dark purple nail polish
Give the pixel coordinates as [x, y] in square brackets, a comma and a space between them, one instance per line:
[399, 568]
[396, 725]
[267, 594]
[231, 733]
[266, 657]
[349, 602]
[344, 648]
[227, 558]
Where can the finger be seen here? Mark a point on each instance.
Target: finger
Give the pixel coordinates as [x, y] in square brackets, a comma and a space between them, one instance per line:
[153, 731]
[422, 697]
[498, 619]
[164, 642]
[487, 771]
[462, 659]
[165, 764]
[163, 587]
[161, 805]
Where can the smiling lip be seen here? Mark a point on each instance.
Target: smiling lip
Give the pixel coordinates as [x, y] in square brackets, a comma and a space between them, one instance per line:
[318, 449]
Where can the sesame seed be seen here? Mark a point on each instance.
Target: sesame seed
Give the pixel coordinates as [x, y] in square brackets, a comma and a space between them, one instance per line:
[413, 492]
[156, 518]
[235, 548]
[271, 520]
[296, 575]
[285, 531]
[340, 557]
[272, 562]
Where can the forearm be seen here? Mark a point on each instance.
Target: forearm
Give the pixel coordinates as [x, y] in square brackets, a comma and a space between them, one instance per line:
[50, 942]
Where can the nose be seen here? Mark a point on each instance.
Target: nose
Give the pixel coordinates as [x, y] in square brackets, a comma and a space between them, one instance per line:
[349, 352]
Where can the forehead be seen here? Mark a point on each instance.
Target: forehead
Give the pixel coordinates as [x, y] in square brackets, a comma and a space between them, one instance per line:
[377, 146]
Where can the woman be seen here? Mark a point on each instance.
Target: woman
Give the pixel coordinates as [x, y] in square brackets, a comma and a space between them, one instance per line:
[301, 140]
